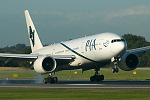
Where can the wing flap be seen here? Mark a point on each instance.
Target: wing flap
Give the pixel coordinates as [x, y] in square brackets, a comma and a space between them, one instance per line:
[17, 57]
[31, 57]
[21, 56]
[64, 57]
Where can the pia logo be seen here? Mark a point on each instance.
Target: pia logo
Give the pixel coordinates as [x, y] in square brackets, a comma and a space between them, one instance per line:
[32, 35]
[106, 43]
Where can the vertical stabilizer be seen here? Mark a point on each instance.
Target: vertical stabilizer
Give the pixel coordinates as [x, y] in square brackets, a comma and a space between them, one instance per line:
[33, 36]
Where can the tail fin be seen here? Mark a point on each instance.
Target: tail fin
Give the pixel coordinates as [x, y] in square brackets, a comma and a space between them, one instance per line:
[33, 36]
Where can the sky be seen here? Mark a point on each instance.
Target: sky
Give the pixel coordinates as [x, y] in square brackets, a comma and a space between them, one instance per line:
[61, 20]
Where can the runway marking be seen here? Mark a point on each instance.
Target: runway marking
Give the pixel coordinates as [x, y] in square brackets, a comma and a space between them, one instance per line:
[84, 84]
[77, 87]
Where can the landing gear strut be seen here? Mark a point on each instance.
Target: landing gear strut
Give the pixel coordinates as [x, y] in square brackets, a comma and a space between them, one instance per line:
[115, 69]
[50, 79]
[96, 77]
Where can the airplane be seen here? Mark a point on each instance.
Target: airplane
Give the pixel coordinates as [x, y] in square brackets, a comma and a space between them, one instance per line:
[89, 52]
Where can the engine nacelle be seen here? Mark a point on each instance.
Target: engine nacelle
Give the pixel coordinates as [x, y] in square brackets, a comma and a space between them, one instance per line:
[45, 64]
[128, 62]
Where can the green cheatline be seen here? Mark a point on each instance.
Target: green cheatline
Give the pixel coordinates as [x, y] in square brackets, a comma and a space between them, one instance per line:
[78, 53]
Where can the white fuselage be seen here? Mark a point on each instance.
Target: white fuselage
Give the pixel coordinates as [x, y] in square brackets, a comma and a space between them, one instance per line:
[97, 48]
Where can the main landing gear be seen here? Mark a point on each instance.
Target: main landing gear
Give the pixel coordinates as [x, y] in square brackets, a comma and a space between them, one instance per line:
[115, 69]
[96, 77]
[50, 79]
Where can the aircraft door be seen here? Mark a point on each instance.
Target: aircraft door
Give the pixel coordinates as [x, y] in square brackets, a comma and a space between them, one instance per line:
[82, 49]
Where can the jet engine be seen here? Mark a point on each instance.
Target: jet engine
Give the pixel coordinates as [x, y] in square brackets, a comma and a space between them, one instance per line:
[45, 64]
[128, 62]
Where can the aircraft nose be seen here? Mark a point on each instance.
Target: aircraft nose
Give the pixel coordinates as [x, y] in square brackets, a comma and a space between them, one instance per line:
[122, 48]
[119, 48]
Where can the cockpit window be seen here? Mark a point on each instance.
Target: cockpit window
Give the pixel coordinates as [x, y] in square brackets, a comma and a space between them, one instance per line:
[117, 40]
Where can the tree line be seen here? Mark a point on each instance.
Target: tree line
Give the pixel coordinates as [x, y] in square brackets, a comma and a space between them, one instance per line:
[16, 49]
[133, 41]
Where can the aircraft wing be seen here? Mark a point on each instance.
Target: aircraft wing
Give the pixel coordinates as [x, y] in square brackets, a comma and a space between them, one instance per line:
[32, 57]
[138, 50]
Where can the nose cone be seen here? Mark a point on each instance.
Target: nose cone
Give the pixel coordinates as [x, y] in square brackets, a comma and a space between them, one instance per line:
[119, 48]
[122, 49]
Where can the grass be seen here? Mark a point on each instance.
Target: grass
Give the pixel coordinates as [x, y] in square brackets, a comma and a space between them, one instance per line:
[21, 74]
[142, 74]
[74, 94]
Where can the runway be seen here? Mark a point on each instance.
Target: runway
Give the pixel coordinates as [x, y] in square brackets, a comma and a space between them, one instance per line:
[77, 84]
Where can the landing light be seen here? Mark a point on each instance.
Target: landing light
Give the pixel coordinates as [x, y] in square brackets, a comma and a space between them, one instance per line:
[134, 73]
[15, 75]
[75, 72]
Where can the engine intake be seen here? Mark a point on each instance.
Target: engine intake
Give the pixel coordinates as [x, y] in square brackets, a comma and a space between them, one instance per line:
[128, 62]
[45, 65]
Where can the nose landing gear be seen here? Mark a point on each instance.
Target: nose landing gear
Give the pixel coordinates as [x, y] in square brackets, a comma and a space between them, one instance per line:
[115, 69]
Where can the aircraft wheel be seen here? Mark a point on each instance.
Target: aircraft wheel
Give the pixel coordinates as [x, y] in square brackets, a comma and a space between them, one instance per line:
[117, 70]
[102, 77]
[92, 79]
[51, 80]
[46, 80]
[55, 79]
[97, 78]
[113, 70]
